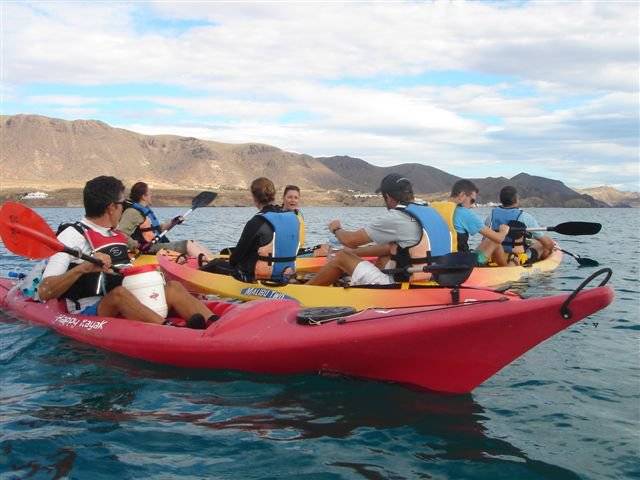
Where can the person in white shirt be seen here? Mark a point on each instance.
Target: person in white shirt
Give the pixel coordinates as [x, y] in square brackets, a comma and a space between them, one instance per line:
[81, 283]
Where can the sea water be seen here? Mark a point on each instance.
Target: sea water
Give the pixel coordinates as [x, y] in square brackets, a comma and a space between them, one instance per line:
[567, 409]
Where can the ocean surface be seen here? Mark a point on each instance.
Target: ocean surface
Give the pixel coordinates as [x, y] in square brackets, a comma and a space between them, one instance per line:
[567, 409]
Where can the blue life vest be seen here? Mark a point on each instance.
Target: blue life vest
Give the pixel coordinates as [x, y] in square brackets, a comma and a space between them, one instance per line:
[508, 216]
[435, 241]
[149, 228]
[277, 260]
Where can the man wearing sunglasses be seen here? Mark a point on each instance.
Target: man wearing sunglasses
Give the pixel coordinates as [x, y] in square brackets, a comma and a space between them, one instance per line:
[93, 290]
[466, 222]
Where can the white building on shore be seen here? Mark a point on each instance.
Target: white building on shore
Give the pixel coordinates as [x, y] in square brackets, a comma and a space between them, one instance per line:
[34, 195]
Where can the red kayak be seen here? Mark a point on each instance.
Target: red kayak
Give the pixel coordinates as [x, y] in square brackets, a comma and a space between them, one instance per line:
[448, 348]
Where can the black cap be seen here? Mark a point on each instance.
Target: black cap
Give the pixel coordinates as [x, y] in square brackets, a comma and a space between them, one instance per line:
[394, 182]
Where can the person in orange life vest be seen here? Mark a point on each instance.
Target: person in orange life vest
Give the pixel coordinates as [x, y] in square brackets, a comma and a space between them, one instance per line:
[80, 282]
[269, 241]
[140, 223]
[464, 195]
[516, 248]
[406, 235]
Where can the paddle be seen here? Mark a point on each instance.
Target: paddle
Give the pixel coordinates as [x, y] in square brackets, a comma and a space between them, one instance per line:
[583, 261]
[567, 228]
[201, 200]
[27, 234]
[450, 270]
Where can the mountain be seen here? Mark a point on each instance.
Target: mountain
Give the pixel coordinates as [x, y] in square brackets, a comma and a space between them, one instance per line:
[613, 197]
[44, 152]
[534, 191]
[41, 153]
[425, 179]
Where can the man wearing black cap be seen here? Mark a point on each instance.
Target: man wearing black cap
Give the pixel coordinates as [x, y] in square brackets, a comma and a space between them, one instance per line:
[407, 234]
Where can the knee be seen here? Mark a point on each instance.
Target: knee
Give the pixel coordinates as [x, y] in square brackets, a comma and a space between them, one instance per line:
[173, 287]
[120, 294]
[341, 257]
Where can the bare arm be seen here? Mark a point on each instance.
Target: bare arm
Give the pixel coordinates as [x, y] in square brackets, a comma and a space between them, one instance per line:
[498, 236]
[547, 245]
[56, 285]
[348, 238]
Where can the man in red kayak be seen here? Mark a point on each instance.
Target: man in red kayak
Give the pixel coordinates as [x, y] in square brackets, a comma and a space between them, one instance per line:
[93, 290]
[409, 234]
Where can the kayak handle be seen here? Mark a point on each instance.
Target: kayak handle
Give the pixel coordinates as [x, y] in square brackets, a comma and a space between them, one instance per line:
[564, 309]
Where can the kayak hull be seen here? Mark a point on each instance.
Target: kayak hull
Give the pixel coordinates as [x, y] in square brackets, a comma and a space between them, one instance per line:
[450, 348]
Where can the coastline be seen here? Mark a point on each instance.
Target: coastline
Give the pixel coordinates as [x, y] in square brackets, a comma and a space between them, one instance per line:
[72, 197]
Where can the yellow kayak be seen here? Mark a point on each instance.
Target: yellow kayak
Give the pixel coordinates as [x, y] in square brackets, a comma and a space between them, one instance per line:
[490, 276]
[360, 298]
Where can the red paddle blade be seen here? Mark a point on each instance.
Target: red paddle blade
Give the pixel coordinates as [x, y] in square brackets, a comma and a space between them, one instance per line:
[26, 233]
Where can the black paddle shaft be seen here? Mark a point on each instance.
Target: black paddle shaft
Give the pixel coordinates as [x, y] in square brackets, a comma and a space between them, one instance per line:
[567, 228]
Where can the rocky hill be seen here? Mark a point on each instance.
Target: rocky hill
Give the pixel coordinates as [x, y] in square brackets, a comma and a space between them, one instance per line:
[41, 153]
[613, 197]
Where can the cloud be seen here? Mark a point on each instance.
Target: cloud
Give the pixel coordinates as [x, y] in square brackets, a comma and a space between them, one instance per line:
[474, 88]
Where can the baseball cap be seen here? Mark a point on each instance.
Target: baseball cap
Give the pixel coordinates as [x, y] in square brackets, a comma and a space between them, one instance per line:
[394, 182]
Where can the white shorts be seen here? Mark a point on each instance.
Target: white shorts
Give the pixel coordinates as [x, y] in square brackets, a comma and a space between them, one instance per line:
[366, 273]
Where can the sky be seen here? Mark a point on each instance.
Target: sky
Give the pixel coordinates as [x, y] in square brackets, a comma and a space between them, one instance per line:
[476, 89]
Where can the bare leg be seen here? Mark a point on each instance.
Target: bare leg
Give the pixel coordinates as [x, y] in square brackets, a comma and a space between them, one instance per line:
[489, 247]
[500, 257]
[120, 302]
[194, 249]
[344, 262]
[185, 305]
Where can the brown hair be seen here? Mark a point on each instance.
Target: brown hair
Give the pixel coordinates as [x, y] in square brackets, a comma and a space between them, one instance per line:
[290, 187]
[263, 190]
[463, 186]
[137, 191]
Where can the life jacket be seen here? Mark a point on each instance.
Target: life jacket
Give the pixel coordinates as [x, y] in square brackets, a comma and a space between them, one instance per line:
[435, 241]
[149, 228]
[511, 217]
[89, 284]
[301, 230]
[277, 259]
[446, 209]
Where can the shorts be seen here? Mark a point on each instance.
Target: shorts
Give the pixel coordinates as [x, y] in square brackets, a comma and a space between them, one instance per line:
[482, 258]
[90, 311]
[366, 273]
[180, 246]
